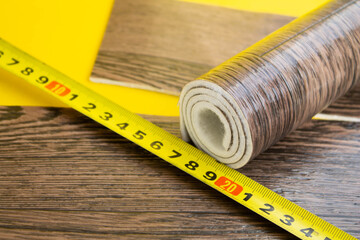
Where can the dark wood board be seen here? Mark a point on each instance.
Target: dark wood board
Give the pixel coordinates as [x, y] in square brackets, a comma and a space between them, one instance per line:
[161, 45]
[64, 176]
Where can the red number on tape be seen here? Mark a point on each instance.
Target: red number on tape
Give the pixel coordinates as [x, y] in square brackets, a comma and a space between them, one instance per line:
[229, 186]
[58, 88]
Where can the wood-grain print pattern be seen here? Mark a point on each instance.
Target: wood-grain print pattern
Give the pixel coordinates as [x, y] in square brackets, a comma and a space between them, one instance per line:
[280, 82]
[162, 44]
[64, 176]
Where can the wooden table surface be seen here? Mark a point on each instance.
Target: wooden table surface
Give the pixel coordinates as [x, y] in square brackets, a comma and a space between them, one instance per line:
[64, 176]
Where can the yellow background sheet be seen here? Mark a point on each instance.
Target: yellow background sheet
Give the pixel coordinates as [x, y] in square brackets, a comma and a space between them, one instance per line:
[67, 34]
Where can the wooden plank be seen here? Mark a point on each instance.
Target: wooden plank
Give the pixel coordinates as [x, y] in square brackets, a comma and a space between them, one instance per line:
[130, 225]
[162, 44]
[64, 176]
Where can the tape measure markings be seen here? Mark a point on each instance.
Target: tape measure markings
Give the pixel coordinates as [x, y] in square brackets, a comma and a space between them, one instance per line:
[230, 182]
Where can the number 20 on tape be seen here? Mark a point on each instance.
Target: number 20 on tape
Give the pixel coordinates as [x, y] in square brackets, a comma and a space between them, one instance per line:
[229, 186]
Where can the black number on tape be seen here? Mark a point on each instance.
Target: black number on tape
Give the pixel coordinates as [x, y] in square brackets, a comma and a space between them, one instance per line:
[139, 135]
[288, 220]
[90, 107]
[73, 97]
[177, 154]
[192, 165]
[156, 145]
[13, 63]
[27, 71]
[248, 196]
[307, 231]
[42, 80]
[122, 126]
[106, 116]
[267, 210]
[210, 176]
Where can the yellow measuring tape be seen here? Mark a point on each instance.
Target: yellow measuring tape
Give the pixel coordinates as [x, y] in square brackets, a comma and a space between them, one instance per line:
[229, 182]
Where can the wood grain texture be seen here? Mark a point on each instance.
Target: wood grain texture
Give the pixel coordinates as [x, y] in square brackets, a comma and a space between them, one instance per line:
[64, 176]
[145, 40]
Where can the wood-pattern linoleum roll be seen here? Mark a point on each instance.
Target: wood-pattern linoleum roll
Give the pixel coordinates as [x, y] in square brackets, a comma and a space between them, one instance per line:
[242, 107]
